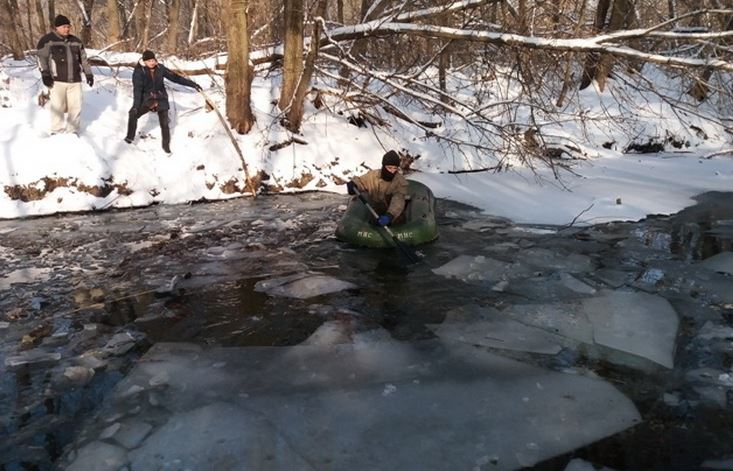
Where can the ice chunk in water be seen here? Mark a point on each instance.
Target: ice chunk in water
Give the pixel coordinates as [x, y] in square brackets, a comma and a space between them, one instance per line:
[480, 268]
[565, 319]
[578, 464]
[711, 331]
[24, 275]
[465, 266]
[574, 284]
[722, 262]
[344, 331]
[99, 456]
[132, 433]
[638, 323]
[331, 333]
[549, 287]
[548, 259]
[302, 285]
[371, 405]
[217, 436]
[491, 329]
[527, 263]
[718, 464]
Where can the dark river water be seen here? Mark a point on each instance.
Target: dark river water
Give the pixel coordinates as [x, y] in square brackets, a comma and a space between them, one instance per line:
[75, 283]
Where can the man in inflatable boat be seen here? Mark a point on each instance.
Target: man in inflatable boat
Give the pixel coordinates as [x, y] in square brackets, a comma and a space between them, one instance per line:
[386, 190]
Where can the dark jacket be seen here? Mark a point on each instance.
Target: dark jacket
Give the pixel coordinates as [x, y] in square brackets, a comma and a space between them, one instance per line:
[148, 87]
[63, 57]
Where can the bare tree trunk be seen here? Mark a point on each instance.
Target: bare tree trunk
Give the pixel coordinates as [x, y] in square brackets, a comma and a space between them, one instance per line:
[174, 15]
[51, 11]
[28, 31]
[129, 21]
[239, 72]
[524, 58]
[203, 26]
[591, 62]
[340, 11]
[147, 14]
[113, 24]
[700, 88]
[85, 34]
[293, 51]
[359, 49]
[571, 56]
[556, 12]
[297, 107]
[43, 24]
[622, 15]
[443, 64]
[367, 13]
[12, 25]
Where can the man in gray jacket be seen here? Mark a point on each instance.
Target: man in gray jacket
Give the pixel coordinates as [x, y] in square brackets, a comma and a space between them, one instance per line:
[61, 58]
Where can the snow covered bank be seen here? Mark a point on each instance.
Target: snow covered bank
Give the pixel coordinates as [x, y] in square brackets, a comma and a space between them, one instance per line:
[44, 174]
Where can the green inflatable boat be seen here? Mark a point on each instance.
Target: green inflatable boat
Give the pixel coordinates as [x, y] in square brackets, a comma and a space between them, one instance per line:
[357, 226]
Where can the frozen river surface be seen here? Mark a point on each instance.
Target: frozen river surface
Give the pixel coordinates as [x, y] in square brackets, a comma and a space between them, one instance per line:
[242, 335]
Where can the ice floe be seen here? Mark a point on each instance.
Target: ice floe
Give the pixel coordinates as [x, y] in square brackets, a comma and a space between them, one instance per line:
[302, 285]
[373, 404]
[722, 262]
[641, 324]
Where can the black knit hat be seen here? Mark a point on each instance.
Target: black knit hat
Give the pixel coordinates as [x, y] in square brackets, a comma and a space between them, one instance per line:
[147, 55]
[61, 20]
[391, 158]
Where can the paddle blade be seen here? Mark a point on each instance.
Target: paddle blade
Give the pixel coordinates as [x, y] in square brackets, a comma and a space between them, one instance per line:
[406, 252]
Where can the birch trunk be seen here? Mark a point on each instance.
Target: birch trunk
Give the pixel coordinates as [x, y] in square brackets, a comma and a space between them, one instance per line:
[193, 27]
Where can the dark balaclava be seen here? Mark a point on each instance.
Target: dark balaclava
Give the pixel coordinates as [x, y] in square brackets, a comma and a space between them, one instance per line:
[61, 20]
[390, 158]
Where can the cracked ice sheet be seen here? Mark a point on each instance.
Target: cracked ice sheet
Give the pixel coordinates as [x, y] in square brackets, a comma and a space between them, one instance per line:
[642, 324]
[527, 262]
[485, 326]
[373, 404]
[722, 262]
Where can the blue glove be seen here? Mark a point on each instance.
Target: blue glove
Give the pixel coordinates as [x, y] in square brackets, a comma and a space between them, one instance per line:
[351, 187]
[384, 220]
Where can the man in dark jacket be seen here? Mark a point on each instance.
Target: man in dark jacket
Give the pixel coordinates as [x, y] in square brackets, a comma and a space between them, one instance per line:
[61, 58]
[149, 95]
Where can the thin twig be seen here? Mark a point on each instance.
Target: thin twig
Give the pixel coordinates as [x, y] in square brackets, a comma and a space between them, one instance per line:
[576, 217]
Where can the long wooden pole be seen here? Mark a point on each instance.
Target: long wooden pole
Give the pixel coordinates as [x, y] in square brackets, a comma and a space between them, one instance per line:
[212, 105]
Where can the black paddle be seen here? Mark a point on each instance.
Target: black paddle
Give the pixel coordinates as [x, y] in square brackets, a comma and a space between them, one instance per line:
[405, 250]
